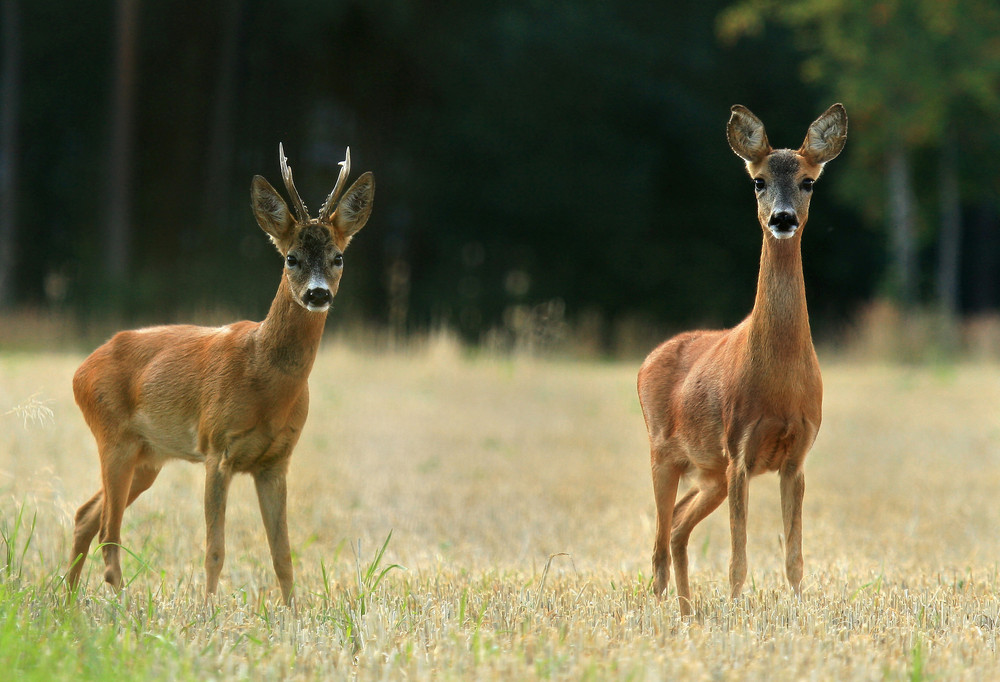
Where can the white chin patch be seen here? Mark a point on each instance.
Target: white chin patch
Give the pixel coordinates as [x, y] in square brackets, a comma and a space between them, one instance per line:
[318, 308]
[783, 234]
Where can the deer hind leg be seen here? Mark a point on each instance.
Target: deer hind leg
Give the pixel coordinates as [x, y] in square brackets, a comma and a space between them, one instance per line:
[696, 504]
[88, 520]
[118, 470]
[217, 480]
[141, 480]
[793, 488]
[272, 495]
[665, 479]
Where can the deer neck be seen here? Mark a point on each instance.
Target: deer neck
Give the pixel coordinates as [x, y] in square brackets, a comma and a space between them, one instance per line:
[288, 338]
[779, 323]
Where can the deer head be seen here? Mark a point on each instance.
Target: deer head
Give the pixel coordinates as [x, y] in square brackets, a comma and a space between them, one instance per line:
[783, 178]
[313, 248]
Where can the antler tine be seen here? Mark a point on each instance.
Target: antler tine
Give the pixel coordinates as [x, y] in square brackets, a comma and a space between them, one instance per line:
[331, 199]
[301, 212]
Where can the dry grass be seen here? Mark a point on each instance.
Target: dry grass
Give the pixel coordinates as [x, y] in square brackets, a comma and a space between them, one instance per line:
[517, 492]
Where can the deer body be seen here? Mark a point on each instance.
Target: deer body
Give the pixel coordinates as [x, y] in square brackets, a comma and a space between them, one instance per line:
[233, 397]
[726, 405]
[180, 402]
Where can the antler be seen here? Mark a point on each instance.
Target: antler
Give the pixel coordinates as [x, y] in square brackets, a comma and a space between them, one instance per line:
[286, 174]
[331, 200]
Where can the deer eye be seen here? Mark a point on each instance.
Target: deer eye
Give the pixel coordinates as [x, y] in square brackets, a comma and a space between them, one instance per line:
[338, 260]
[759, 184]
[291, 261]
[807, 185]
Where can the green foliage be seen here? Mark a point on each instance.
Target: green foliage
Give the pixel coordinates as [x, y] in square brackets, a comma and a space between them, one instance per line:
[11, 535]
[918, 661]
[355, 605]
[920, 80]
[903, 68]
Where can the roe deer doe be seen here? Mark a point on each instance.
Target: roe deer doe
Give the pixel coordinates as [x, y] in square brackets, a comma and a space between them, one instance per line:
[233, 397]
[727, 405]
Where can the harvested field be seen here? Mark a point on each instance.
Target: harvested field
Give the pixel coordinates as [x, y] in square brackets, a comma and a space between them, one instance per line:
[518, 499]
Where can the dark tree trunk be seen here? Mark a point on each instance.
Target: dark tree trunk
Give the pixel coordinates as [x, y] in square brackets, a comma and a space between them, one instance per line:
[10, 104]
[220, 147]
[902, 230]
[950, 236]
[117, 236]
[983, 258]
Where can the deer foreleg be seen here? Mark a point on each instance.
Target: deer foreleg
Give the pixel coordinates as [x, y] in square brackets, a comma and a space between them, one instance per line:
[216, 490]
[793, 488]
[737, 481]
[272, 495]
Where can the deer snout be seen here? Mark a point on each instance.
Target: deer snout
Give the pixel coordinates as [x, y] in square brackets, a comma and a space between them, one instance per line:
[318, 297]
[783, 223]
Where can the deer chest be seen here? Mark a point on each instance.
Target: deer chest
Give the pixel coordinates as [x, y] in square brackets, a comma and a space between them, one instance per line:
[770, 443]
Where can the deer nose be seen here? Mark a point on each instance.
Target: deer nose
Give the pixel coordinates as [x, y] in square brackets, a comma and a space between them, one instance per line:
[318, 297]
[783, 221]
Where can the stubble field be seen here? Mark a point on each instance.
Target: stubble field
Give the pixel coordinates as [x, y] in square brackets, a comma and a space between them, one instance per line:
[517, 495]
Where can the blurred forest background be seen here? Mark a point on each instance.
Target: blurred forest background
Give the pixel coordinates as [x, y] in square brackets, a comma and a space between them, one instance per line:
[537, 162]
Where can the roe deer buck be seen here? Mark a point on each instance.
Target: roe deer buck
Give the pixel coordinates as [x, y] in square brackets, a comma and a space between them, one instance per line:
[726, 405]
[233, 397]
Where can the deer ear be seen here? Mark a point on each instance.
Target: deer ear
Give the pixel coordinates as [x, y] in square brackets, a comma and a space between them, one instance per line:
[746, 135]
[271, 212]
[354, 208]
[826, 136]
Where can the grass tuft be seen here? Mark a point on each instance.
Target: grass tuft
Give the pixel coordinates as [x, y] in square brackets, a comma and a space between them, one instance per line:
[33, 411]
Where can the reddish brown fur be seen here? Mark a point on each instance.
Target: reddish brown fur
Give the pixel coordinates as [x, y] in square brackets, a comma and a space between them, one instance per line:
[234, 397]
[727, 405]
